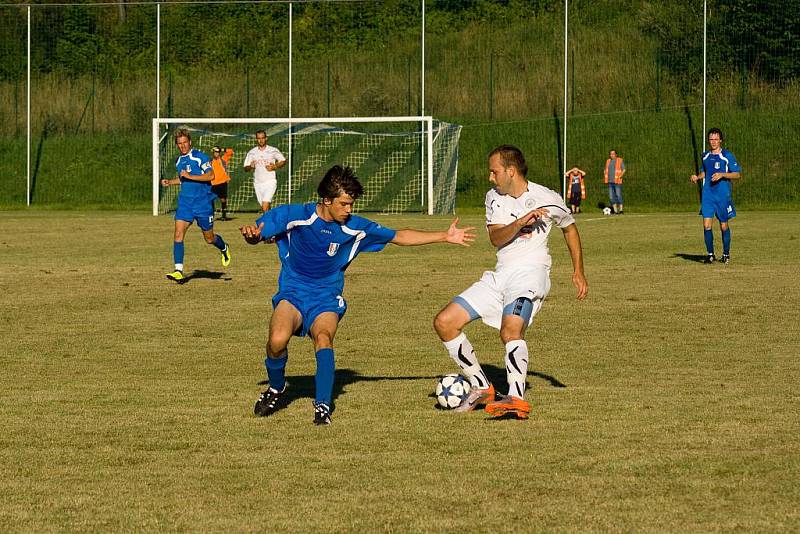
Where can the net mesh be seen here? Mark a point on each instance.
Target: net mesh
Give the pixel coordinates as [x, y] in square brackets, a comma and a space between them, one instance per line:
[388, 158]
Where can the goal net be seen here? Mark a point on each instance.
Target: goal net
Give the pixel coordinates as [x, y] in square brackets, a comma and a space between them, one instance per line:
[406, 164]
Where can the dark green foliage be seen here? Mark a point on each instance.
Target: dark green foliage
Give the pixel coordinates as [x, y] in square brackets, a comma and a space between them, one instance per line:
[760, 36]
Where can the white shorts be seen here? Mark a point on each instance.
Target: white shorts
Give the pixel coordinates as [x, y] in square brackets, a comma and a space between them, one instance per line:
[495, 290]
[265, 190]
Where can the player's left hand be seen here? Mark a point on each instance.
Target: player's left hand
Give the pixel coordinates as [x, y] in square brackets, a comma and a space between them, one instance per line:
[252, 234]
[717, 176]
[460, 236]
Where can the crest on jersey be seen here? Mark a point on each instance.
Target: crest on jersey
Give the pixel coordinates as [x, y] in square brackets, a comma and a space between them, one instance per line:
[530, 203]
[716, 165]
[333, 248]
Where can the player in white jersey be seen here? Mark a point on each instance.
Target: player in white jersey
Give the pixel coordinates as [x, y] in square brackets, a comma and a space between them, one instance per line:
[519, 217]
[263, 160]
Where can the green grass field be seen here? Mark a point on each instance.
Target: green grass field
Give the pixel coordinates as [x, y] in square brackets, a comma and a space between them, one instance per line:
[666, 401]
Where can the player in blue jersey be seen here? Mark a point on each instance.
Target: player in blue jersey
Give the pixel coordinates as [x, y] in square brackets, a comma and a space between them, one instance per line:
[195, 201]
[316, 243]
[719, 168]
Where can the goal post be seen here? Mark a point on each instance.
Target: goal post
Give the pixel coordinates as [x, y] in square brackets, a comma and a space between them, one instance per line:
[406, 164]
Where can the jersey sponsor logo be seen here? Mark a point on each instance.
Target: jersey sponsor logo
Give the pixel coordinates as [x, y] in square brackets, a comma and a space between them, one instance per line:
[325, 231]
[530, 203]
[333, 248]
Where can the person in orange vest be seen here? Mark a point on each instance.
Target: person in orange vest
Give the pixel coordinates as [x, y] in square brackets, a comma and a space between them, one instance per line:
[615, 169]
[219, 186]
[576, 189]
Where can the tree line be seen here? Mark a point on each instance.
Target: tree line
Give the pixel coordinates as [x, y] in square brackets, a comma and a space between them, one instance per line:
[113, 40]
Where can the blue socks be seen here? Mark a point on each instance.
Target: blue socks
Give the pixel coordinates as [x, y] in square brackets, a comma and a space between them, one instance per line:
[324, 377]
[709, 238]
[177, 252]
[726, 241]
[276, 371]
[219, 243]
[326, 365]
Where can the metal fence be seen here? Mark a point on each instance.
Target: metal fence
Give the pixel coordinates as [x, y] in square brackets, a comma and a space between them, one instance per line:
[79, 84]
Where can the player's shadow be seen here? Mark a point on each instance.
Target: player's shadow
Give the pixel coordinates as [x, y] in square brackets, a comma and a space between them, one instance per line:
[697, 258]
[303, 387]
[497, 376]
[210, 275]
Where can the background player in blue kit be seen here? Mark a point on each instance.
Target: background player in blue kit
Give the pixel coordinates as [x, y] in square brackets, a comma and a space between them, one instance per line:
[316, 243]
[195, 201]
[719, 168]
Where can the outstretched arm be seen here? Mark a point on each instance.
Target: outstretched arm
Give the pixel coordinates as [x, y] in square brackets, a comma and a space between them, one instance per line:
[454, 235]
[573, 239]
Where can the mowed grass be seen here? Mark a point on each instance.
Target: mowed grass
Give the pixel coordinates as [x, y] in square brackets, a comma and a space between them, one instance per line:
[667, 401]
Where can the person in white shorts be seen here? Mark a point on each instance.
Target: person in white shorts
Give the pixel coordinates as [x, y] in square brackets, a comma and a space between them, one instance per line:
[263, 160]
[519, 217]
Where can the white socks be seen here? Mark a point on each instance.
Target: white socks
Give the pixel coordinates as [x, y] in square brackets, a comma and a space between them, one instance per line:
[460, 349]
[516, 367]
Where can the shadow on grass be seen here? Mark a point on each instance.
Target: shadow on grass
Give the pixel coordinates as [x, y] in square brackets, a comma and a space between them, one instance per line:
[698, 258]
[210, 275]
[303, 387]
[497, 376]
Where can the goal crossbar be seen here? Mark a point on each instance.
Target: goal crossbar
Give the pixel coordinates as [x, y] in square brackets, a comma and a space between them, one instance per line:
[425, 124]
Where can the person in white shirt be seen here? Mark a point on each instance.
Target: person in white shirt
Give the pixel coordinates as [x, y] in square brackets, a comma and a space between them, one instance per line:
[263, 160]
[519, 217]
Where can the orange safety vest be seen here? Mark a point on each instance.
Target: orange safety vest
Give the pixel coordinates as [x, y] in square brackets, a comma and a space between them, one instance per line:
[583, 187]
[220, 167]
[617, 171]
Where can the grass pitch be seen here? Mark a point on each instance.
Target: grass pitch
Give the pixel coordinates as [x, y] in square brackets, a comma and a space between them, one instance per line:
[665, 402]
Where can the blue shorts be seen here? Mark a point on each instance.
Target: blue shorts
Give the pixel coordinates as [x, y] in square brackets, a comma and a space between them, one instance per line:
[196, 209]
[721, 207]
[310, 304]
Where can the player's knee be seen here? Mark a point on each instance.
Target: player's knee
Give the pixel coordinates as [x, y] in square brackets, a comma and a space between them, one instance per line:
[323, 340]
[441, 323]
[210, 238]
[276, 346]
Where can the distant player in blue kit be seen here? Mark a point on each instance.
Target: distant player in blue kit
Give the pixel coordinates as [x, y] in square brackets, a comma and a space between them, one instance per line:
[316, 243]
[719, 168]
[195, 201]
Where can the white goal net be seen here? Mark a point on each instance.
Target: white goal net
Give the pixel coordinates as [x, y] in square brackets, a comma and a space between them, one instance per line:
[406, 164]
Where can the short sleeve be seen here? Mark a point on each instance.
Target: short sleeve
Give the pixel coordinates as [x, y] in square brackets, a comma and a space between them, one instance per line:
[376, 236]
[733, 164]
[279, 156]
[559, 213]
[494, 212]
[248, 159]
[275, 221]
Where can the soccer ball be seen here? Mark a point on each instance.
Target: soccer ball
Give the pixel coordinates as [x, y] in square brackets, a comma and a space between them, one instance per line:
[451, 390]
[606, 211]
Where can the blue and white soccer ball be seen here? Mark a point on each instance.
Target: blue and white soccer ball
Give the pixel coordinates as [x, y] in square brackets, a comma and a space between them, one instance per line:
[451, 390]
[606, 211]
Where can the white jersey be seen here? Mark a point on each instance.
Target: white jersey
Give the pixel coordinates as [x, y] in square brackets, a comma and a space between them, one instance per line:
[529, 246]
[259, 158]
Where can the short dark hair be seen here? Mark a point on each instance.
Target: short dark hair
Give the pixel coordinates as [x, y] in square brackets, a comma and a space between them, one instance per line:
[511, 156]
[339, 180]
[262, 132]
[715, 131]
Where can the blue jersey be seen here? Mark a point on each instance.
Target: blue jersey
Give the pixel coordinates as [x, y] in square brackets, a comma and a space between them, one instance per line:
[315, 253]
[713, 163]
[196, 163]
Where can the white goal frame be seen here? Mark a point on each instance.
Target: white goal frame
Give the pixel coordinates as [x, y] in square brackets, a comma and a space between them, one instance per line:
[425, 121]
